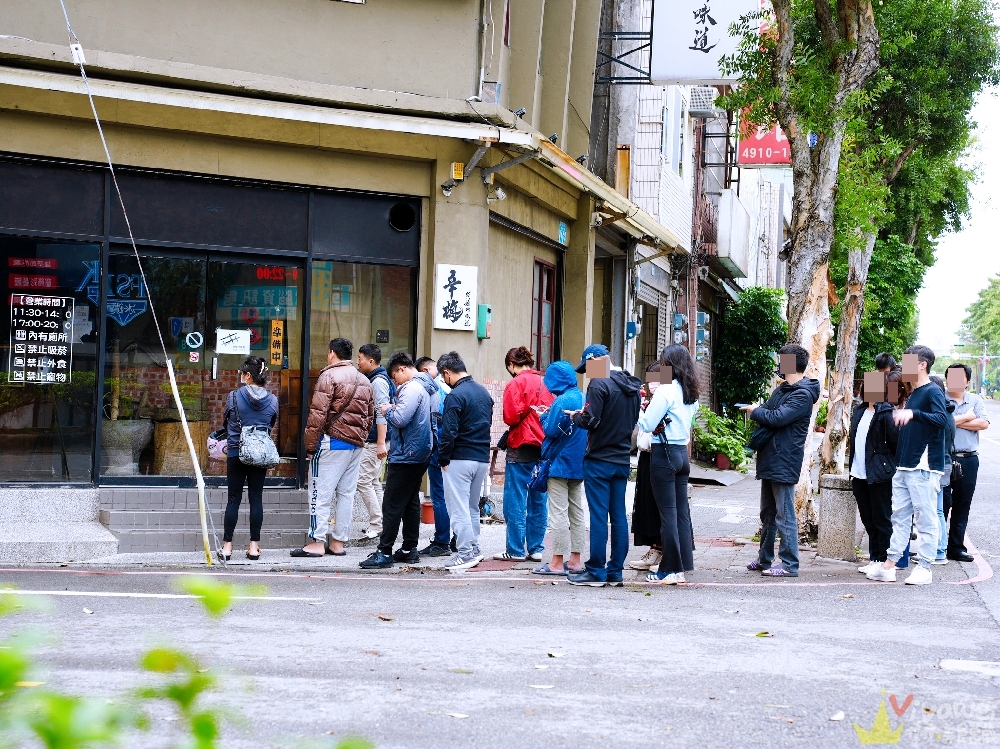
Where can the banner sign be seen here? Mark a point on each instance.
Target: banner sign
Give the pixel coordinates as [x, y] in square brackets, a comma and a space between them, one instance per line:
[764, 148]
[41, 340]
[691, 36]
[277, 341]
[455, 289]
[232, 341]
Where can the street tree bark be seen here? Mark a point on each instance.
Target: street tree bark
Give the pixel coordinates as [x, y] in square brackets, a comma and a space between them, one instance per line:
[851, 43]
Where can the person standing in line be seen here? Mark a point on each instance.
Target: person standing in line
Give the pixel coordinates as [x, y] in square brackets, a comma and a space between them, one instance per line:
[787, 415]
[340, 419]
[376, 446]
[440, 543]
[919, 466]
[524, 510]
[970, 420]
[564, 445]
[248, 405]
[872, 462]
[609, 414]
[645, 514]
[464, 454]
[949, 448]
[674, 406]
[885, 362]
[411, 440]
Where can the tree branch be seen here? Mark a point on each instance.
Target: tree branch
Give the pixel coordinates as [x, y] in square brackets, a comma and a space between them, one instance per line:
[901, 161]
[824, 17]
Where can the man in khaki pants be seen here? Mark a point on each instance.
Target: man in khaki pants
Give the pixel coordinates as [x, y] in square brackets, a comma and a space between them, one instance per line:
[376, 448]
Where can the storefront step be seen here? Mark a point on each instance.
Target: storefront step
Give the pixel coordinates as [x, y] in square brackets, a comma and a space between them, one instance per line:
[119, 521]
[55, 524]
[135, 541]
[137, 499]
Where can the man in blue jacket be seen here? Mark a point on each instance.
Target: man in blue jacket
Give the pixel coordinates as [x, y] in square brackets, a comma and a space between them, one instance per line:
[410, 445]
[787, 414]
[919, 469]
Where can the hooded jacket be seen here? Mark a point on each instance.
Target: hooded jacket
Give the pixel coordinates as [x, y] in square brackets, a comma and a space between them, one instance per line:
[409, 420]
[335, 392]
[526, 390]
[570, 440]
[880, 444]
[465, 424]
[254, 407]
[788, 412]
[609, 414]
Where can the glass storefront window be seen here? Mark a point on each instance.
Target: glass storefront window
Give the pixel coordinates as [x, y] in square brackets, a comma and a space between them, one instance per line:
[48, 393]
[212, 312]
[363, 303]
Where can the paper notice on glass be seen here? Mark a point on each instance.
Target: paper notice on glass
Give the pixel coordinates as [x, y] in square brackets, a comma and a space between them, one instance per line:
[232, 341]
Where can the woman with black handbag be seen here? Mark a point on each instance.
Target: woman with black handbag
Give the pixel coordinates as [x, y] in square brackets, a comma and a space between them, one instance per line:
[248, 406]
[674, 405]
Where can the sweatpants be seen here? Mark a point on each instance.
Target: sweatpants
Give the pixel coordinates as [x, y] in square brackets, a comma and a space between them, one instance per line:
[914, 495]
[370, 485]
[333, 480]
[463, 481]
[401, 502]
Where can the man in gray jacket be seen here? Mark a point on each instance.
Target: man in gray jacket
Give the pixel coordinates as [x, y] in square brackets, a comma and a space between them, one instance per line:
[411, 442]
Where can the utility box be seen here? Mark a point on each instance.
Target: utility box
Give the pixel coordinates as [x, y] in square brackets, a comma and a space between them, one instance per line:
[484, 321]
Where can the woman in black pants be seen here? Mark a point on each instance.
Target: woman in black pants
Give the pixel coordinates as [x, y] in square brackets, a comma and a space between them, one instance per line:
[249, 405]
[674, 405]
[872, 464]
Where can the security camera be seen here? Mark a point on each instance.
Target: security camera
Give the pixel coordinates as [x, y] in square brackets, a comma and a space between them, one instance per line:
[554, 137]
[703, 273]
[500, 194]
[446, 191]
[582, 159]
[520, 112]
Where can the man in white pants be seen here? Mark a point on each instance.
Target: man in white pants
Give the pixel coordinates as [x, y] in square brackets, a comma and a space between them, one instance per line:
[341, 415]
[464, 454]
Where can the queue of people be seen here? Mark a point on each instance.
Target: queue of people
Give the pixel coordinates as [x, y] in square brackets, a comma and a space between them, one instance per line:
[912, 460]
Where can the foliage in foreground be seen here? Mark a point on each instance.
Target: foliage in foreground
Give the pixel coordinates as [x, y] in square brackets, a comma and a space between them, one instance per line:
[752, 329]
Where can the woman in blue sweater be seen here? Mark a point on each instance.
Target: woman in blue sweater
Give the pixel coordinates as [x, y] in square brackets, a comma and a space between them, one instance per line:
[565, 444]
[674, 405]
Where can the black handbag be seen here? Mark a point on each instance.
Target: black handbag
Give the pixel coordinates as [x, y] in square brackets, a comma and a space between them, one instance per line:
[956, 470]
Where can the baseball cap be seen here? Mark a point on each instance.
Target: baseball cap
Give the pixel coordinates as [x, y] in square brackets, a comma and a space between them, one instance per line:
[593, 351]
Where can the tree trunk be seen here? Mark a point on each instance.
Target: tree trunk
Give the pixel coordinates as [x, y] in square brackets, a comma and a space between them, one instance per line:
[838, 420]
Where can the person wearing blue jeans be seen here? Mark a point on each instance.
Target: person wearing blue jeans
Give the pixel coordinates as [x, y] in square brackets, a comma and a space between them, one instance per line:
[777, 515]
[610, 412]
[440, 544]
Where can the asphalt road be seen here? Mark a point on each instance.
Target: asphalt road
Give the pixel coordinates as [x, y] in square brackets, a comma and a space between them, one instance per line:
[429, 660]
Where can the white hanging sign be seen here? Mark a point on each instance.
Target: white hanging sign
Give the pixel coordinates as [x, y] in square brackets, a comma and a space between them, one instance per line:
[455, 289]
[232, 341]
[691, 36]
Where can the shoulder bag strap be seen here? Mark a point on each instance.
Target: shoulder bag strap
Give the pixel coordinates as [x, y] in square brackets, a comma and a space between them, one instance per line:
[236, 407]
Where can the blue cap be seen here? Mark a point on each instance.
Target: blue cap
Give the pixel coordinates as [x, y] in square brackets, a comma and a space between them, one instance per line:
[593, 351]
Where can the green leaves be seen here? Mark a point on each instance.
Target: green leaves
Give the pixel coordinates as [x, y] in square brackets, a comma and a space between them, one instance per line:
[64, 722]
[217, 596]
[752, 329]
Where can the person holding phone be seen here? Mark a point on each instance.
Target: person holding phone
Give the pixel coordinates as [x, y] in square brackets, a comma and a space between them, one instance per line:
[673, 406]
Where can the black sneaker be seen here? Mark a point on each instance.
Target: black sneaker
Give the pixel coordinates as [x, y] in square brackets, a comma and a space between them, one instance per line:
[377, 561]
[435, 550]
[615, 581]
[586, 578]
[407, 557]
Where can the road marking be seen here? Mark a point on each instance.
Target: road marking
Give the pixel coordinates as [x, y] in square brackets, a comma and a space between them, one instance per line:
[115, 594]
[985, 571]
[989, 668]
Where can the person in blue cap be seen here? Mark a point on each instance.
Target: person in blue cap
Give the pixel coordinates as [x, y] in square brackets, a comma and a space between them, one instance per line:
[609, 413]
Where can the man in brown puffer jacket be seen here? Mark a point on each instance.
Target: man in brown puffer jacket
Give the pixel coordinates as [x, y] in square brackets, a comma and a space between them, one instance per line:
[341, 414]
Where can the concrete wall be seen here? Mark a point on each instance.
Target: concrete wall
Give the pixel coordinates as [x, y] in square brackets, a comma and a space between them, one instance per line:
[428, 47]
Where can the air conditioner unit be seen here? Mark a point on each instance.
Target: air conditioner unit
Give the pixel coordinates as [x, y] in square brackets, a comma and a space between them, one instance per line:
[702, 104]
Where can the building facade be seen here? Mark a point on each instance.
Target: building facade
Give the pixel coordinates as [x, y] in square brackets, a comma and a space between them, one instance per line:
[286, 181]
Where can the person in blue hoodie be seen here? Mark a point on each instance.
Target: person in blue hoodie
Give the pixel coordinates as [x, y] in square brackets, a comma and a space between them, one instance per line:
[565, 445]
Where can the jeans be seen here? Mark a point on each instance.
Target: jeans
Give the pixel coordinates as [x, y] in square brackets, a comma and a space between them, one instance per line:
[370, 485]
[236, 474]
[605, 483]
[914, 495]
[777, 513]
[463, 481]
[942, 544]
[525, 511]
[961, 503]
[566, 516]
[669, 470]
[332, 472]
[875, 507]
[401, 502]
[442, 524]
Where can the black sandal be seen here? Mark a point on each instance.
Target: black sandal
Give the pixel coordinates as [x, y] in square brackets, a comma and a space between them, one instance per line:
[302, 553]
[253, 557]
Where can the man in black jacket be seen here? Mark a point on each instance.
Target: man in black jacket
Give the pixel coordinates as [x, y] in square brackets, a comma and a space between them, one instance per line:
[787, 414]
[464, 456]
[609, 413]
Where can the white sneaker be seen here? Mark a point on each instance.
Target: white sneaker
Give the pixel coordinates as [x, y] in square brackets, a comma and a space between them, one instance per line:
[920, 576]
[942, 560]
[671, 578]
[866, 568]
[369, 533]
[883, 575]
[458, 563]
[647, 561]
[681, 578]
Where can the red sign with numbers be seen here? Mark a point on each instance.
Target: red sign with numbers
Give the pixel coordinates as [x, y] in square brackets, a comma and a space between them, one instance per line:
[764, 148]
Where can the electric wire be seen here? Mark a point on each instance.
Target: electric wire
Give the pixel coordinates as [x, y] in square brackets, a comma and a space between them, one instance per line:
[202, 499]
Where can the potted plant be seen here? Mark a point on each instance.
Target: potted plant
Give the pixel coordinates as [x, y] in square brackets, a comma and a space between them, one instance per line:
[821, 412]
[124, 433]
[721, 440]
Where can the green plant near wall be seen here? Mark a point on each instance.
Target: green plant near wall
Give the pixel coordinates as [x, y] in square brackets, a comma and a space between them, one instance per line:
[821, 412]
[713, 434]
[751, 330]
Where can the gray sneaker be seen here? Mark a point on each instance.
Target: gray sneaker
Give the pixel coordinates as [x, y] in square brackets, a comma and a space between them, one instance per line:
[459, 563]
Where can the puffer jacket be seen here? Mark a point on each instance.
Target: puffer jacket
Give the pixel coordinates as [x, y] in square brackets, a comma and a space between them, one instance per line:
[567, 460]
[332, 395]
[788, 412]
[410, 427]
[520, 394]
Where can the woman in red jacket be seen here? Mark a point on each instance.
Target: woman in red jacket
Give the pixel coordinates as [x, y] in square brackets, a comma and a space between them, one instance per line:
[526, 511]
